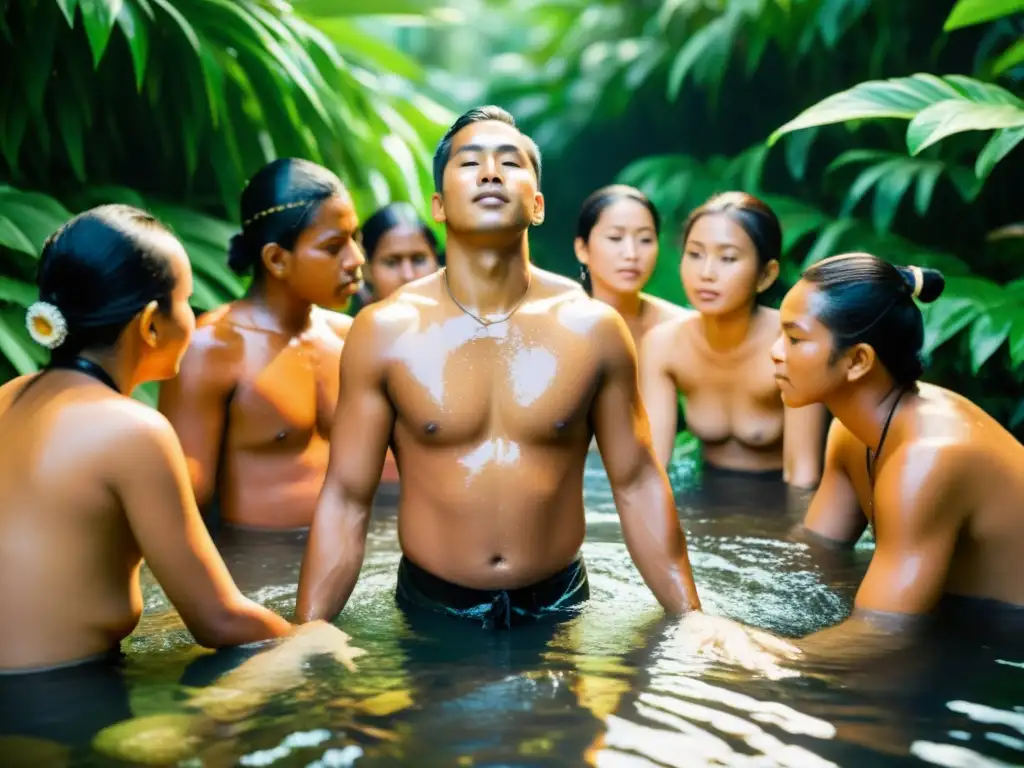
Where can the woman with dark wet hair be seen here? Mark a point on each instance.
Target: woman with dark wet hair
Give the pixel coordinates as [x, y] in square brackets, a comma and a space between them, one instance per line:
[255, 399]
[399, 248]
[93, 481]
[617, 248]
[940, 482]
[718, 359]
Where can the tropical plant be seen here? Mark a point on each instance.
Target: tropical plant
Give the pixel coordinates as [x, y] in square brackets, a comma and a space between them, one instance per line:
[172, 104]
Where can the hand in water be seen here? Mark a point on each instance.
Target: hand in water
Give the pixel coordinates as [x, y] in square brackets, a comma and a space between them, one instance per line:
[273, 671]
[730, 642]
[318, 637]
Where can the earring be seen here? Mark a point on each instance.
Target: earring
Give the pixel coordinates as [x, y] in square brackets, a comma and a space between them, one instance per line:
[584, 273]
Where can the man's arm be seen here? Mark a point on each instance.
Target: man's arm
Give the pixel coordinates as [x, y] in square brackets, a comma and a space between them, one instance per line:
[803, 450]
[643, 497]
[151, 479]
[359, 442]
[658, 389]
[834, 517]
[195, 402]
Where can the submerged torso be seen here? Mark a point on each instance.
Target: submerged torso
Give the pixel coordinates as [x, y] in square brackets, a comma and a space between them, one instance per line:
[491, 431]
[69, 564]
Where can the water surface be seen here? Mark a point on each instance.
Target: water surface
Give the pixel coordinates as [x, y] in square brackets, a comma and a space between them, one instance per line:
[613, 687]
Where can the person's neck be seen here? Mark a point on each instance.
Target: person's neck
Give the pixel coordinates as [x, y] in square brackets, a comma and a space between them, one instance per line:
[725, 333]
[629, 305]
[120, 366]
[862, 407]
[488, 279]
[274, 308]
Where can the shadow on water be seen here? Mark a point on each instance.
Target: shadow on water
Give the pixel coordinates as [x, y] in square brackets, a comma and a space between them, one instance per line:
[615, 686]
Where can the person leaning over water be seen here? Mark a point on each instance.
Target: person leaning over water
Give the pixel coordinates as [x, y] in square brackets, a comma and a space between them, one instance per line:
[718, 359]
[940, 482]
[489, 379]
[254, 401]
[92, 481]
[617, 247]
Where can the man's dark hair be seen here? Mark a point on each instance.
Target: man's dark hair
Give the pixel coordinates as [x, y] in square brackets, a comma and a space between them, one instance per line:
[479, 115]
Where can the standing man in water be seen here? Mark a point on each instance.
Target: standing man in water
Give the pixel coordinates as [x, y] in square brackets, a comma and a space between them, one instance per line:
[488, 379]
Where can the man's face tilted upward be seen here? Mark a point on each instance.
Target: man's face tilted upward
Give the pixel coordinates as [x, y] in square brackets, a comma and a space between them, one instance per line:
[490, 184]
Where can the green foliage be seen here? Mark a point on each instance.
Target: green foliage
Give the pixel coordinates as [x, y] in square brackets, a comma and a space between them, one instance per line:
[937, 107]
[172, 104]
[969, 12]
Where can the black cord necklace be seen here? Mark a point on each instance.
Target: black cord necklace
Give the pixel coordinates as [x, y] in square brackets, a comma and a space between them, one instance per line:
[88, 367]
[870, 459]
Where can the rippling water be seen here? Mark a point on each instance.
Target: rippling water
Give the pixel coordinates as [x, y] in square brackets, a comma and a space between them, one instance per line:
[615, 686]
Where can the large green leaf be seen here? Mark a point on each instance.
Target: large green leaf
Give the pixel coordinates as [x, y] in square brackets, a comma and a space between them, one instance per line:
[99, 17]
[136, 32]
[1010, 58]
[940, 120]
[15, 343]
[969, 12]
[936, 106]
[17, 292]
[899, 98]
[989, 332]
[36, 216]
[68, 7]
[998, 147]
[12, 237]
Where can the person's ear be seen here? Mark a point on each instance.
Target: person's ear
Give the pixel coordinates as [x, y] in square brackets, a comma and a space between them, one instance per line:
[582, 252]
[147, 325]
[276, 260]
[859, 360]
[769, 274]
[437, 208]
[538, 210]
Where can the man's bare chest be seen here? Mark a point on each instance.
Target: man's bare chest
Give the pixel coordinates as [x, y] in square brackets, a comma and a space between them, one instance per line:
[528, 389]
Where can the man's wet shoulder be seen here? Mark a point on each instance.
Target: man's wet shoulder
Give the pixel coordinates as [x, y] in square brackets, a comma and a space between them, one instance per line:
[403, 308]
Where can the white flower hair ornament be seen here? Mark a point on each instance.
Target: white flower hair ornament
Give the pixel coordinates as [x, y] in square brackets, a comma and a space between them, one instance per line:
[46, 325]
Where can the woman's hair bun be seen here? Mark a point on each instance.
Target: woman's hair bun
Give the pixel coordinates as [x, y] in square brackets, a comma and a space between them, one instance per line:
[239, 259]
[932, 282]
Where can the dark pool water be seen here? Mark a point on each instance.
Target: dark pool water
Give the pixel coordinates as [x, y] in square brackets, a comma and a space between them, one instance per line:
[615, 686]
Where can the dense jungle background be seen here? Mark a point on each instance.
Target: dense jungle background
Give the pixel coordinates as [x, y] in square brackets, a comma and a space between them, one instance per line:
[891, 127]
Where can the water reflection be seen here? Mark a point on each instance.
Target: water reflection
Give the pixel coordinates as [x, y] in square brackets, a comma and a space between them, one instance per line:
[613, 687]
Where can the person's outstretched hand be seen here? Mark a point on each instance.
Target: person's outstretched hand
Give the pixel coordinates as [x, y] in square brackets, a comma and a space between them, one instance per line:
[273, 671]
[730, 642]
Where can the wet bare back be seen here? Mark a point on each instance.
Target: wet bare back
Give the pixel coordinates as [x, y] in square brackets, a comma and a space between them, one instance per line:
[254, 409]
[91, 481]
[947, 507]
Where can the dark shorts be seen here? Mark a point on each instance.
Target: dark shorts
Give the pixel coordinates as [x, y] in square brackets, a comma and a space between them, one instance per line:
[67, 704]
[555, 597]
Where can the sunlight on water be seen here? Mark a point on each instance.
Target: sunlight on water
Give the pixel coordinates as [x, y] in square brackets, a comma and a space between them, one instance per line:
[619, 685]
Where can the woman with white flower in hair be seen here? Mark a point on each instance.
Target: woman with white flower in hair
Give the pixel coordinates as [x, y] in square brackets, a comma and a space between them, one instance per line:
[93, 481]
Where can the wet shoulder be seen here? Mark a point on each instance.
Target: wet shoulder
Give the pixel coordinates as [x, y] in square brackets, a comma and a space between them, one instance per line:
[950, 419]
[337, 323]
[404, 310]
